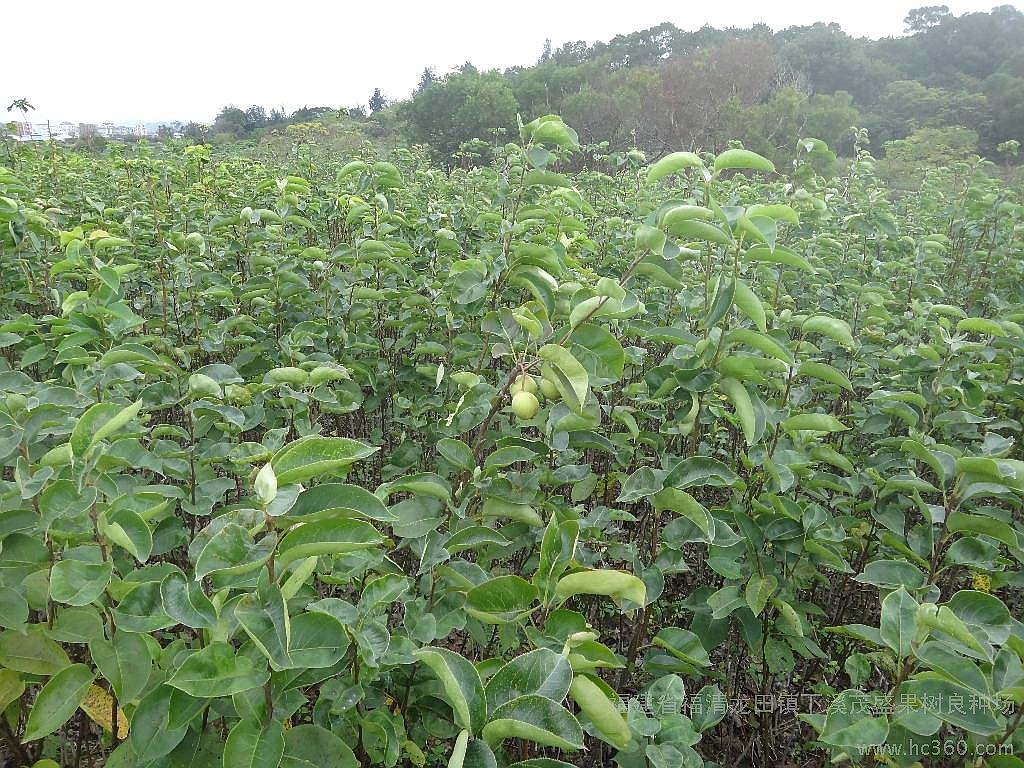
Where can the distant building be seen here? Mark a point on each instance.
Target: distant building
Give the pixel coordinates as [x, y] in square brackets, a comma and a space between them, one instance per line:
[63, 131]
[26, 131]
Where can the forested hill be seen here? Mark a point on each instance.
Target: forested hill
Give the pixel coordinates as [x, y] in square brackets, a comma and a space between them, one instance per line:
[950, 87]
[664, 88]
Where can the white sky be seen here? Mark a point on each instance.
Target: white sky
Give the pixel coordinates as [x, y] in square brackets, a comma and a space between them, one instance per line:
[127, 60]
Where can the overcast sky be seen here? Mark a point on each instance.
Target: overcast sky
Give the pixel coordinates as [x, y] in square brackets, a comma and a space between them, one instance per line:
[126, 60]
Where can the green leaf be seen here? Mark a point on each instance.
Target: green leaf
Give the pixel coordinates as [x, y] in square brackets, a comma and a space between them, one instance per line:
[100, 421]
[539, 177]
[58, 700]
[557, 549]
[421, 484]
[666, 696]
[568, 375]
[31, 652]
[77, 582]
[848, 723]
[725, 601]
[599, 352]
[523, 513]
[537, 719]
[124, 661]
[458, 756]
[539, 282]
[778, 255]
[642, 483]
[141, 610]
[264, 617]
[217, 670]
[962, 522]
[942, 619]
[669, 755]
[462, 685]
[813, 422]
[673, 163]
[318, 640]
[327, 537]
[456, 452]
[299, 576]
[891, 573]
[742, 159]
[549, 129]
[980, 325]
[721, 303]
[684, 645]
[151, 732]
[231, 550]
[63, 499]
[381, 591]
[824, 372]
[688, 229]
[939, 698]
[128, 530]
[313, 455]
[830, 455]
[789, 616]
[650, 238]
[832, 327]
[750, 305]
[759, 589]
[684, 504]
[700, 470]
[936, 655]
[759, 229]
[11, 687]
[541, 671]
[310, 746]
[332, 500]
[899, 621]
[501, 600]
[778, 211]
[740, 399]
[254, 745]
[594, 702]
[624, 588]
[13, 608]
[186, 603]
[680, 213]
[708, 708]
[983, 613]
[589, 655]
[762, 342]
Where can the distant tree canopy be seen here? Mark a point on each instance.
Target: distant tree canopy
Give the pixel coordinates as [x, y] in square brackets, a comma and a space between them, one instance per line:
[377, 101]
[933, 147]
[664, 88]
[426, 78]
[238, 123]
[922, 19]
[461, 106]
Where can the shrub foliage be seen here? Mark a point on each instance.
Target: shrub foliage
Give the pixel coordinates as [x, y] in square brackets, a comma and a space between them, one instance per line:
[266, 499]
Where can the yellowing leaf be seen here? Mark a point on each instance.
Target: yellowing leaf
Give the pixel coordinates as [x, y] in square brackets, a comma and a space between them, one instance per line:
[98, 705]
